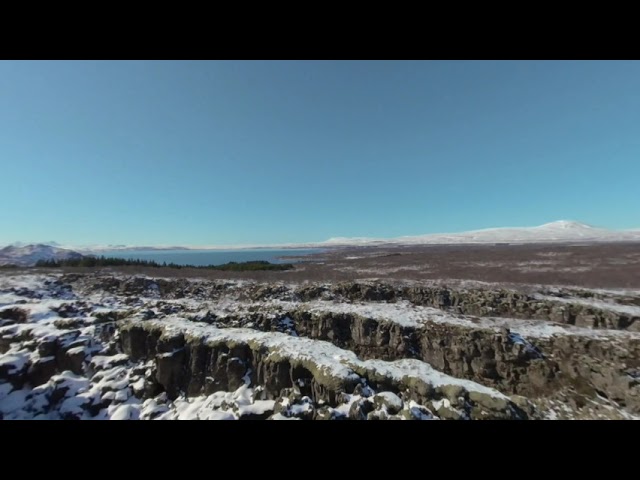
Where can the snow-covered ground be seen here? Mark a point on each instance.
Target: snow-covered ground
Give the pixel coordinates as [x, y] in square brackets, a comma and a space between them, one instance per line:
[406, 314]
[90, 377]
[631, 310]
[110, 385]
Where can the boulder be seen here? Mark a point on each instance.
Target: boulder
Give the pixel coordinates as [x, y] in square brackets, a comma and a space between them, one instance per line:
[10, 316]
[389, 401]
[360, 409]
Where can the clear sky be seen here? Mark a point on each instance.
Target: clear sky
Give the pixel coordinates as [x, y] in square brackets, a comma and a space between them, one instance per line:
[247, 152]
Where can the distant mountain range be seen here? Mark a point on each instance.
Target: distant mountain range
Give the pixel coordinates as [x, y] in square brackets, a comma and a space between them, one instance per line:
[562, 231]
[28, 255]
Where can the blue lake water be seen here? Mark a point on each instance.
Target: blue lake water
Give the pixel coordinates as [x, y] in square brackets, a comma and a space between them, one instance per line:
[209, 257]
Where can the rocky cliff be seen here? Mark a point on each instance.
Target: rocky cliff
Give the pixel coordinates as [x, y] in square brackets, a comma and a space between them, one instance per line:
[111, 346]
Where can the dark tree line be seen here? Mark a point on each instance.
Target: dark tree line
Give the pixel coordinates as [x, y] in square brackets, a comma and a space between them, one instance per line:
[90, 261]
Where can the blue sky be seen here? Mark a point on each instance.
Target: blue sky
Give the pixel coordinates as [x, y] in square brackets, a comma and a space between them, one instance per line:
[268, 152]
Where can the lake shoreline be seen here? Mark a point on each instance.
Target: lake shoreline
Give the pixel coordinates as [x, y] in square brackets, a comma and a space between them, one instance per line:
[213, 257]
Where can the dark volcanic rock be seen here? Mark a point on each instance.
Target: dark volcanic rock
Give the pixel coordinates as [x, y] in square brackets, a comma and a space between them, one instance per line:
[360, 409]
[195, 367]
[9, 316]
[170, 371]
[365, 292]
[41, 370]
[174, 350]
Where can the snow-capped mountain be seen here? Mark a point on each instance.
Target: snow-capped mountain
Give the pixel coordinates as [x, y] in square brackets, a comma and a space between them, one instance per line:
[50, 243]
[28, 255]
[563, 231]
[560, 231]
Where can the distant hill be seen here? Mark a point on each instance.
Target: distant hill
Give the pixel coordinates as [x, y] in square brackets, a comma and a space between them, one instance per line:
[28, 255]
[563, 231]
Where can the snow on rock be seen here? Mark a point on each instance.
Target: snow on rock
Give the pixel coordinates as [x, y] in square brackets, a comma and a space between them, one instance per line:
[101, 362]
[332, 366]
[631, 310]
[410, 370]
[12, 403]
[391, 402]
[69, 330]
[125, 412]
[279, 416]
[13, 362]
[529, 347]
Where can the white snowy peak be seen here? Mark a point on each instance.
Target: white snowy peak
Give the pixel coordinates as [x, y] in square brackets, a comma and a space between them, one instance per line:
[560, 231]
[566, 225]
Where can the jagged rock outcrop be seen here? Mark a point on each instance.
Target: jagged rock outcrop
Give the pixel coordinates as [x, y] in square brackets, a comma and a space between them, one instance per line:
[137, 347]
[185, 361]
[494, 302]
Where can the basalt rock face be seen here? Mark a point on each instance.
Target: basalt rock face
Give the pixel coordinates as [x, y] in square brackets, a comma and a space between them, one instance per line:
[367, 337]
[489, 357]
[502, 303]
[192, 364]
[608, 369]
[488, 302]
[105, 346]
[567, 361]
[556, 306]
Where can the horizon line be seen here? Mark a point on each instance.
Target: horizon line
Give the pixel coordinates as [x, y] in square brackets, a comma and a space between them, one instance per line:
[332, 241]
